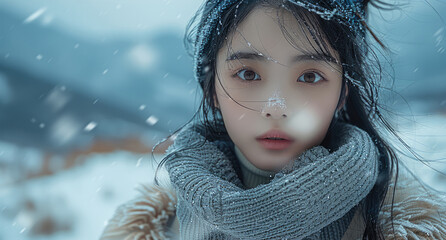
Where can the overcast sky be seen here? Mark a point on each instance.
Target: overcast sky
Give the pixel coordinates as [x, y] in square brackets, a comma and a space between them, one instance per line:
[95, 18]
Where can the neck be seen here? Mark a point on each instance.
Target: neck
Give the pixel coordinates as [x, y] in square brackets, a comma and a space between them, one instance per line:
[252, 175]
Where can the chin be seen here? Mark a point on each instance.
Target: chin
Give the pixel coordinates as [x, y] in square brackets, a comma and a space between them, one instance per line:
[272, 164]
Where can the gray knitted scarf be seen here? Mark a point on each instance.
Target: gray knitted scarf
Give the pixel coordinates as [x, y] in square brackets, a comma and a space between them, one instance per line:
[313, 197]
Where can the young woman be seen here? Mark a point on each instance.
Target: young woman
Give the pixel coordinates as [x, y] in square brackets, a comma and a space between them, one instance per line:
[286, 146]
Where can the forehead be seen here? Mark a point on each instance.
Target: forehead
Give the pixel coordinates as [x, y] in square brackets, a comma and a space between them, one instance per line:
[277, 33]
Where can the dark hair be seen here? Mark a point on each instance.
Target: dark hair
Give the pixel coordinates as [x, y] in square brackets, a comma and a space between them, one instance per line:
[361, 106]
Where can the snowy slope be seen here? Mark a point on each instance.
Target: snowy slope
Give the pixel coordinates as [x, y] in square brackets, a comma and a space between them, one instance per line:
[77, 202]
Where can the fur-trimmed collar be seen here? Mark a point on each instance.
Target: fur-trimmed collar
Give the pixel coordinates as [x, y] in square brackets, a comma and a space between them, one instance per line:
[418, 213]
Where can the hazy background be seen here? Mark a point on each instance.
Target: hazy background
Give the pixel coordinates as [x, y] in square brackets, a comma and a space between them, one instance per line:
[87, 87]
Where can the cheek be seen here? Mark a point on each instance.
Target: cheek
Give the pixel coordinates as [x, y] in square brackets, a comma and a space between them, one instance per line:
[311, 122]
[304, 124]
[233, 114]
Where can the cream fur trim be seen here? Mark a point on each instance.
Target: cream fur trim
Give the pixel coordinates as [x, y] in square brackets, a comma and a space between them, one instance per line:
[418, 212]
[145, 217]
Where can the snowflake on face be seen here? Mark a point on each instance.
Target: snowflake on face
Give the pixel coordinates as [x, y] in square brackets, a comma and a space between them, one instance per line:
[276, 101]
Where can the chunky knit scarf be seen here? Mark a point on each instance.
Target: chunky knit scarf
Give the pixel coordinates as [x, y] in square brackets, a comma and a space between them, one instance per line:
[314, 197]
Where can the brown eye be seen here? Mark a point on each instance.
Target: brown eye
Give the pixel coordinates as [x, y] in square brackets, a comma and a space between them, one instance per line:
[310, 77]
[248, 75]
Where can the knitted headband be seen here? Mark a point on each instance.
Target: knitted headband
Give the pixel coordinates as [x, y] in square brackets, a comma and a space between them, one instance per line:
[349, 12]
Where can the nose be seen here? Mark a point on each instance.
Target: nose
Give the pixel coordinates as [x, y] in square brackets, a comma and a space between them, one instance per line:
[274, 111]
[275, 107]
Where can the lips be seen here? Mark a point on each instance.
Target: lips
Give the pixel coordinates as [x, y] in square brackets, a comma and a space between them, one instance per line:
[275, 140]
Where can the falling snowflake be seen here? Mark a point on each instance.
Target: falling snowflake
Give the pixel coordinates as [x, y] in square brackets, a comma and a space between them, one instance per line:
[35, 15]
[90, 126]
[152, 120]
[138, 163]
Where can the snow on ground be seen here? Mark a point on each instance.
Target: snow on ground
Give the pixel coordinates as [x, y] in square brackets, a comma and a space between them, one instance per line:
[73, 204]
[77, 203]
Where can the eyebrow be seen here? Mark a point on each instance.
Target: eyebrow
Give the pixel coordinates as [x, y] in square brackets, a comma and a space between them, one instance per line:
[304, 57]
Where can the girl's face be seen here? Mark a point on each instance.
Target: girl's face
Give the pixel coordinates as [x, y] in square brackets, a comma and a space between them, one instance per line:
[276, 99]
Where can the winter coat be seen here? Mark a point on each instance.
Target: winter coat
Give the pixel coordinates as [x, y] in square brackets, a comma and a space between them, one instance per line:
[418, 213]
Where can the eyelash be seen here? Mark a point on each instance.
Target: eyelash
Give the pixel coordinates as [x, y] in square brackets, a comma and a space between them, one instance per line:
[236, 75]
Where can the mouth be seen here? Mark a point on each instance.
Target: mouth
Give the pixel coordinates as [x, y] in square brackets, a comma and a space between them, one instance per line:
[275, 140]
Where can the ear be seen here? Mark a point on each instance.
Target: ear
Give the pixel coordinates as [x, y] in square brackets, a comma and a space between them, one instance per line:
[345, 97]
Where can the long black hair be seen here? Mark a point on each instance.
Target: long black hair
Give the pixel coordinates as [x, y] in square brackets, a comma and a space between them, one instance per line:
[359, 76]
